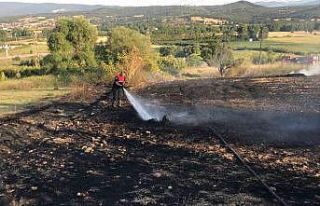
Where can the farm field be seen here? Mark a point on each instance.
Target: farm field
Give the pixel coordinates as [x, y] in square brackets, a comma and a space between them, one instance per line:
[24, 47]
[284, 43]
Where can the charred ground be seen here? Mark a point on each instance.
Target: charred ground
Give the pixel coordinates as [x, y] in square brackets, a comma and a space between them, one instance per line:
[85, 153]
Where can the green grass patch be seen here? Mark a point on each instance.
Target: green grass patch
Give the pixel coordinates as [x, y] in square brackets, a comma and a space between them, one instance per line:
[16, 95]
[298, 45]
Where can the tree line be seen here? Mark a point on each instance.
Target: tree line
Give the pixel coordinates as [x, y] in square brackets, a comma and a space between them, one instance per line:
[73, 45]
[74, 48]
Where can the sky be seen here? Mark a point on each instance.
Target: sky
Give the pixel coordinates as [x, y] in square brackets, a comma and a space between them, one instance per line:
[132, 2]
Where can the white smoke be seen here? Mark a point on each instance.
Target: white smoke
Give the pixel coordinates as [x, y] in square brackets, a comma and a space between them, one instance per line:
[311, 71]
[250, 126]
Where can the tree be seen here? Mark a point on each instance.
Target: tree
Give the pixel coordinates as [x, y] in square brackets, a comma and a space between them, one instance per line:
[3, 35]
[252, 32]
[219, 54]
[222, 58]
[263, 34]
[72, 44]
[242, 33]
[21, 32]
[208, 51]
[123, 41]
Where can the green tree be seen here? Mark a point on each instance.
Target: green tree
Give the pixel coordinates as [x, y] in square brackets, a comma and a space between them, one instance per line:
[122, 41]
[3, 35]
[242, 33]
[222, 59]
[252, 31]
[72, 44]
[219, 54]
[209, 50]
[21, 32]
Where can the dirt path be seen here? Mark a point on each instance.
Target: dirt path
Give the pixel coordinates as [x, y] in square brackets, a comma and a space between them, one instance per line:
[75, 153]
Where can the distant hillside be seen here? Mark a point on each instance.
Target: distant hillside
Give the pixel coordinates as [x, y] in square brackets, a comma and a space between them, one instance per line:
[239, 12]
[242, 12]
[289, 3]
[19, 9]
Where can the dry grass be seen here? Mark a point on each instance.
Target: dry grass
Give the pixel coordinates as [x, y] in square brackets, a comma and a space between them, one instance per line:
[308, 39]
[251, 70]
[17, 94]
[102, 39]
[290, 34]
[79, 91]
[23, 49]
[200, 72]
[36, 82]
[16, 100]
[287, 42]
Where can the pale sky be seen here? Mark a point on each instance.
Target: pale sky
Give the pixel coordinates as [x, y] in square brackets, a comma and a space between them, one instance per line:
[132, 2]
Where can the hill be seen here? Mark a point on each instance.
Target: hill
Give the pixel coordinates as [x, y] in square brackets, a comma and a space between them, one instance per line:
[239, 12]
[286, 3]
[19, 9]
[242, 12]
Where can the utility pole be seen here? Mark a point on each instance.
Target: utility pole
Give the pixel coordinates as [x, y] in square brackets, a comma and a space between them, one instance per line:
[261, 40]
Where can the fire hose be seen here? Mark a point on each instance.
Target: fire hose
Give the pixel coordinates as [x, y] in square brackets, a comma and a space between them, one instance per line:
[243, 162]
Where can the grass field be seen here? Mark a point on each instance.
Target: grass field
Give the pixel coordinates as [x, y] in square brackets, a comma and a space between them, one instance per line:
[246, 54]
[16, 95]
[300, 43]
[26, 49]
[17, 100]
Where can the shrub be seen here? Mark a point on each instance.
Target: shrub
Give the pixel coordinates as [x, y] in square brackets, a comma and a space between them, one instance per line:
[194, 60]
[24, 72]
[16, 59]
[2, 76]
[18, 75]
[184, 51]
[33, 62]
[172, 65]
[168, 50]
[265, 58]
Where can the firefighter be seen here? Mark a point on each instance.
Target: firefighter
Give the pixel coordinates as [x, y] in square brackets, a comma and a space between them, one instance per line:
[117, 89]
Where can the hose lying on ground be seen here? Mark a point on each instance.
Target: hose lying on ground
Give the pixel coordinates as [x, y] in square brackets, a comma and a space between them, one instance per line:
[241, 160]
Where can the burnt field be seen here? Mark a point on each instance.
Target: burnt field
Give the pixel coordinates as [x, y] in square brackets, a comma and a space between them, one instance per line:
[85, 153]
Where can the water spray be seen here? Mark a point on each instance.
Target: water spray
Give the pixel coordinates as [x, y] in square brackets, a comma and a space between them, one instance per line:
[147, 110]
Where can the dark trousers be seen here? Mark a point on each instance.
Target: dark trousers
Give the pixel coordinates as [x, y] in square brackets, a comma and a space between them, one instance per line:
[117, 95]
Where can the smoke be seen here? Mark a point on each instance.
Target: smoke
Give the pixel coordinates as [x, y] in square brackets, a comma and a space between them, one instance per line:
[247, 126]
[311, 71]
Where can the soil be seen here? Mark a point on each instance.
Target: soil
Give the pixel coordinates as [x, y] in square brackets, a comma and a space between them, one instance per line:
[87, 153]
